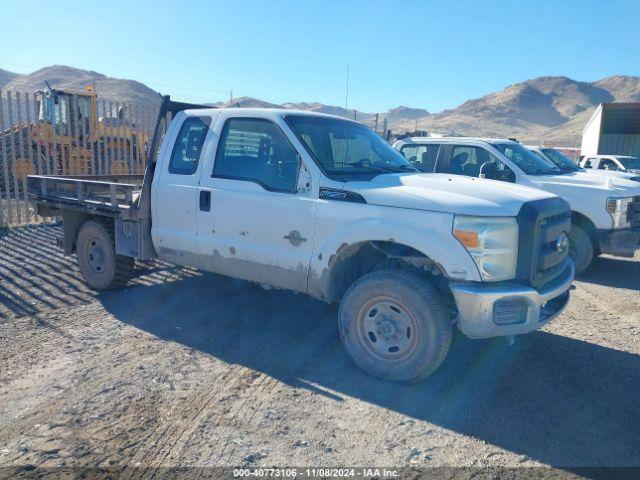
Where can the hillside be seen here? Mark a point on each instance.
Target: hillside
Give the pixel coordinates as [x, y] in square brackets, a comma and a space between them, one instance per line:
[554, 109]
[6, 77]
[60, 76]
[248, 102]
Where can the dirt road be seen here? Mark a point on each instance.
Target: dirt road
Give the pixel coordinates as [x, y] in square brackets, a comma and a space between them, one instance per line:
[182, 368]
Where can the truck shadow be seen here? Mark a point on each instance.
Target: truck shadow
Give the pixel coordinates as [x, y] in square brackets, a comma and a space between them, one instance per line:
[36, 276]
[557, 400]
[613, 272]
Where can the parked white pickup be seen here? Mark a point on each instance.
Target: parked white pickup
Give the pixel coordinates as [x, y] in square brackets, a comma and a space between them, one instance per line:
[563, 162]
[323, 205]
[612, 163]
[605, 210]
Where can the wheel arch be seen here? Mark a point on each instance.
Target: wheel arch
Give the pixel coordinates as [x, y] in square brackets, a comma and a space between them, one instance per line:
[352, 261]
[72, 220]
[424, 241]
[588, 226]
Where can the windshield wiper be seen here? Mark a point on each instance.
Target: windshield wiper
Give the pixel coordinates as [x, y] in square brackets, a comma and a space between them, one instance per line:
[541, 171]
[565, 170]
[397, 169]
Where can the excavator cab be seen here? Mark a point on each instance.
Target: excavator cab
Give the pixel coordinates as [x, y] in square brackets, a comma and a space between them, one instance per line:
[72, 113]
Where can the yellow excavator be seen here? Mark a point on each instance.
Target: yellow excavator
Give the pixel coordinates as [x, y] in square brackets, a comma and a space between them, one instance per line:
[76, 137]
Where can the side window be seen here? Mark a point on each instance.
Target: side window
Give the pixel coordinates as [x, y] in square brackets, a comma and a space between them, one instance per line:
[607, 164]
[477, 162]
[423, 157]
[588, 163]
[188, 147]
[256, 150]
[539, 155]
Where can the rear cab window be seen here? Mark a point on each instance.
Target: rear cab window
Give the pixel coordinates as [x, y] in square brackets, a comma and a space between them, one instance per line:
[422, 156]
[187, 148]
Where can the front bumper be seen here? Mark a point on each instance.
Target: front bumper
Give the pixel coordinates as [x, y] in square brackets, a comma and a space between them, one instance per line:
[622, 243]
[486, 310]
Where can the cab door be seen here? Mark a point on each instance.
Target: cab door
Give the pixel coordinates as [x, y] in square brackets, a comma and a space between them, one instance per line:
[254, 222]
[175, 189]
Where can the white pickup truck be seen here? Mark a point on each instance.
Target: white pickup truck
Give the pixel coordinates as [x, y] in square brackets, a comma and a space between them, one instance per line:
[557, 158]
[605, 210]
[613, 163]
[322, 205]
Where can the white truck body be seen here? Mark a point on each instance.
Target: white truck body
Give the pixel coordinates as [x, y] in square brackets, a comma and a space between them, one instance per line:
[612, 164]
[591, 196]
[496, 256]
[588, 164]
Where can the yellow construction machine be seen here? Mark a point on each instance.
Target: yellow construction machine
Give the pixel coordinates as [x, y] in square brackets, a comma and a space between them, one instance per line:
[75, 134]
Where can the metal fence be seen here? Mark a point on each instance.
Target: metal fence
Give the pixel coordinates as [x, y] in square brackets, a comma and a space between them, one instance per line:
[66, 133]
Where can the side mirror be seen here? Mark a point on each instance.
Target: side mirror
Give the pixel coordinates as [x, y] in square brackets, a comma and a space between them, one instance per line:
[506, 175]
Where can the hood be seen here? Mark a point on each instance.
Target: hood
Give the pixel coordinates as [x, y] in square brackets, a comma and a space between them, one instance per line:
[612, 173]
[446, 193]
[595, 184]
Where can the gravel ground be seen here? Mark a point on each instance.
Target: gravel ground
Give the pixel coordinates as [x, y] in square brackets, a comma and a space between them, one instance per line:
[189, 369]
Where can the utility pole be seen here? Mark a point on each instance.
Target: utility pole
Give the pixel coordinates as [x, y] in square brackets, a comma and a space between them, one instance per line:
[346, 95]
[377, 116]
[230, 97]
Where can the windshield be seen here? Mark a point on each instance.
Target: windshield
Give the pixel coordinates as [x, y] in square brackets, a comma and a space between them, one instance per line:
[560, 160]
[347, 150]
[530, 163]
[630, 162]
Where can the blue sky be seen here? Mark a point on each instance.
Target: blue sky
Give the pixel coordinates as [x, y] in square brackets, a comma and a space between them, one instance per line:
[430, 54]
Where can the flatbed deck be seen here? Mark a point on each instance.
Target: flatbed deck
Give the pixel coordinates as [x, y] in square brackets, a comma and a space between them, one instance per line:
[105, 193]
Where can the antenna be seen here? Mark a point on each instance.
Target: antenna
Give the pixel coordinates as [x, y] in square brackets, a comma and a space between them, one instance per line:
[346, 95]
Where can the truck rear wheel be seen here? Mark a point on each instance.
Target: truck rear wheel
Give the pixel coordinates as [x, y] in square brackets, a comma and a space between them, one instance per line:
[100, 266]
[394, 325]
[580, 248]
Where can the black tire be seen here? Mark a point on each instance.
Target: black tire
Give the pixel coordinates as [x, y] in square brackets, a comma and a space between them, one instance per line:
[101, 268]
[409, 334]
[581, 248]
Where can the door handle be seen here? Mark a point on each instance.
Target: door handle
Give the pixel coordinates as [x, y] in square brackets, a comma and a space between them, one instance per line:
[205, 201]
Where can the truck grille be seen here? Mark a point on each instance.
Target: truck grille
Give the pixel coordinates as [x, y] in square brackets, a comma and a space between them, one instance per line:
[544, 249]
[552, 251]
[633, 213]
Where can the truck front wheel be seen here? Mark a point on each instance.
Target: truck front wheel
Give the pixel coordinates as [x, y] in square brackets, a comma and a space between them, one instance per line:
[580, 248]
[100, 266]
[394, 325]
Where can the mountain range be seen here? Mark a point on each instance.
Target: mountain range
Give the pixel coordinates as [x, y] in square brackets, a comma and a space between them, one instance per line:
[552, 109]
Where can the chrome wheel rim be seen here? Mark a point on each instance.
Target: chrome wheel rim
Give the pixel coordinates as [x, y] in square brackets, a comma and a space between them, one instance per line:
[387, 329]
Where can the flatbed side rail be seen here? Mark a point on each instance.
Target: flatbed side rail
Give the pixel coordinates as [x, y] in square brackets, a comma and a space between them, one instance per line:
[84, 191]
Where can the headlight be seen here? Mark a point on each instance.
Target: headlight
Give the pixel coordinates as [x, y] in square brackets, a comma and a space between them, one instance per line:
[618, 208]
[492, 243]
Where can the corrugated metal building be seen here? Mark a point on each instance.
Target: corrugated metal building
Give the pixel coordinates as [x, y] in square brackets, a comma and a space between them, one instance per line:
[613, 129]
